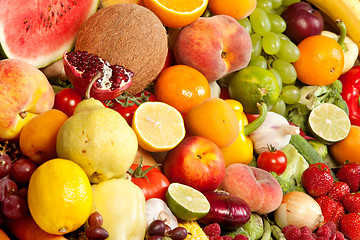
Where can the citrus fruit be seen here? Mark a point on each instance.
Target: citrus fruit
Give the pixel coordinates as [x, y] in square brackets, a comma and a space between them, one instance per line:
[329, 123]
[233, 8]
[182, 87]
[186, 202]
[321, 60]
[252, 85]
[176, 14]
[106, 3]
[158, 126]
[347, 149]
[38, 137]
[215, 120]
[59, 196]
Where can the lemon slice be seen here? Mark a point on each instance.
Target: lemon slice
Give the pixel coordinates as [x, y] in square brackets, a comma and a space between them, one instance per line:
[158, 126]
[186, 202]
[329, 123]
[176, 14]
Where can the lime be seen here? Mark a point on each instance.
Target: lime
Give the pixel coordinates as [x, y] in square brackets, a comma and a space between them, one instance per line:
[186, 202]
[252, 85]
[329, 123]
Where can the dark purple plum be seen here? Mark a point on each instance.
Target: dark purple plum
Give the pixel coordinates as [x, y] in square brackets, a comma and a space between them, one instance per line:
[302, 21]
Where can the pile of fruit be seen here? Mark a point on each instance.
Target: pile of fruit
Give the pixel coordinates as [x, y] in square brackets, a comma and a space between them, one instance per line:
[183, 120]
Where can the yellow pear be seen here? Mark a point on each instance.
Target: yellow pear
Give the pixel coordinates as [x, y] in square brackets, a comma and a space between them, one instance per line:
[99, 140]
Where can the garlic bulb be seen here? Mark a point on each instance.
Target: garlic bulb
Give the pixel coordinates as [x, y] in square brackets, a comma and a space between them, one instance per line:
[157, 209]
[275, 131]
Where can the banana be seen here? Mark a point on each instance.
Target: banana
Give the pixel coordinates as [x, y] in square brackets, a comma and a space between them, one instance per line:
[347, 11]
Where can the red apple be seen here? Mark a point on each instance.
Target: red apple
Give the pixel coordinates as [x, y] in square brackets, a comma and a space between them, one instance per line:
[197, 162]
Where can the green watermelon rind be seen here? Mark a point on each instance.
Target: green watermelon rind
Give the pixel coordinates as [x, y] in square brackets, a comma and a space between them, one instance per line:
[50, 57]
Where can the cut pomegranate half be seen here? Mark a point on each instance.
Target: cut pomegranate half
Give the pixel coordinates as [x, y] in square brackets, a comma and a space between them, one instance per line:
[87, 71]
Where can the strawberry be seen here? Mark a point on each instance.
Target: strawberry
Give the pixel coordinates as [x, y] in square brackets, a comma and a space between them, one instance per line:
[351, 202]
[317, 179]
[350, 173]
[350, 226]
[332, 210]
[338, 190]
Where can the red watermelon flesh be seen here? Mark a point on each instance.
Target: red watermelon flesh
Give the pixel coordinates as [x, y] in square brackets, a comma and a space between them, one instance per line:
[40, 31]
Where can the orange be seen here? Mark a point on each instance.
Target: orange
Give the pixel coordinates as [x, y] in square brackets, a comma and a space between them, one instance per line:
[158, 126]
[233, 8]
[321, 60]
[182, 87]
[347, 149]
[60, 196]
[213, 119]
[177, 14]
[38, 137]
[106, 3]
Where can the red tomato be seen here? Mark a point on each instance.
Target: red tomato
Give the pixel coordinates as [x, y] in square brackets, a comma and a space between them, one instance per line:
[153, 183]
[273, 161]
[126, 104]
[126, 111]
[66, 100]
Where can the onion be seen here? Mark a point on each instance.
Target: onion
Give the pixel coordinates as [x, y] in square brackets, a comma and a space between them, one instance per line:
[228, 211]
[299, 209]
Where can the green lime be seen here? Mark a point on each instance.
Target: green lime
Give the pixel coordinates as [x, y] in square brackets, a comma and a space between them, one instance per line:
[252, 85]
[329, 123]
[186, 202]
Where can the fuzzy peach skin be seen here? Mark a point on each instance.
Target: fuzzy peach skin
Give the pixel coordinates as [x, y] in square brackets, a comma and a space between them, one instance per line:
[216, 46]
[255, 186]
[25, 92]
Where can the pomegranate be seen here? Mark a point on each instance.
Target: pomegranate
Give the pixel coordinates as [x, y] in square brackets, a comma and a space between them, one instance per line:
[94, 77]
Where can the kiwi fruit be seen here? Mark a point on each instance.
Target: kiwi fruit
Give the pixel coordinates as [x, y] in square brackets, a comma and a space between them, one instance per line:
[128, 35]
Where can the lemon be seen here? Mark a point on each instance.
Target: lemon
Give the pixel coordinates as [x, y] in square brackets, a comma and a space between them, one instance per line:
[59, 196]
[329, 123]
[158, 126]
[186, 202]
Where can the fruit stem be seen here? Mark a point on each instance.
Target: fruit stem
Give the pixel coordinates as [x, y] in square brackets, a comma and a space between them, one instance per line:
[96, 77]
[258, 121]
[342, 28]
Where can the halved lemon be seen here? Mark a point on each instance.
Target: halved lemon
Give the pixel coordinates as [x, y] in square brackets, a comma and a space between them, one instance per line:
[176, 14]
[158, 126]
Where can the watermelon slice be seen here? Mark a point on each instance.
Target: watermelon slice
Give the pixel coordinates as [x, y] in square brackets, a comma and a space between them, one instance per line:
[40, 31]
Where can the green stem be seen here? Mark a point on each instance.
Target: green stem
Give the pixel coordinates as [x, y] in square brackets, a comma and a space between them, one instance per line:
[342, 28]
[258, 121]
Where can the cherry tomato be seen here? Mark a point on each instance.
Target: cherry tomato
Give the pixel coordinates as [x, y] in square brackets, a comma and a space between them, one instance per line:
[153, 183]
[127, 104]
[66, 100]
[273, 161]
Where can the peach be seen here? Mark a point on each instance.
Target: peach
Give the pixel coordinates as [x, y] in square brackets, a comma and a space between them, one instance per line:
[25, 92]
[216, 46]
[255, 186]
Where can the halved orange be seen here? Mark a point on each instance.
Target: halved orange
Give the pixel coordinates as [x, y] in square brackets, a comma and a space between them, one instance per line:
[158, 126]
[176, 14]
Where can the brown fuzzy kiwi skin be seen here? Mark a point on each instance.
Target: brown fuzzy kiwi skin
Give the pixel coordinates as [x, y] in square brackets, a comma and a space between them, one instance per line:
[128, 35]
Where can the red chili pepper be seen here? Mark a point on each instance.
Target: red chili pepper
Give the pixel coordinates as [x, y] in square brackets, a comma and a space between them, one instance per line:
[350, 93]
